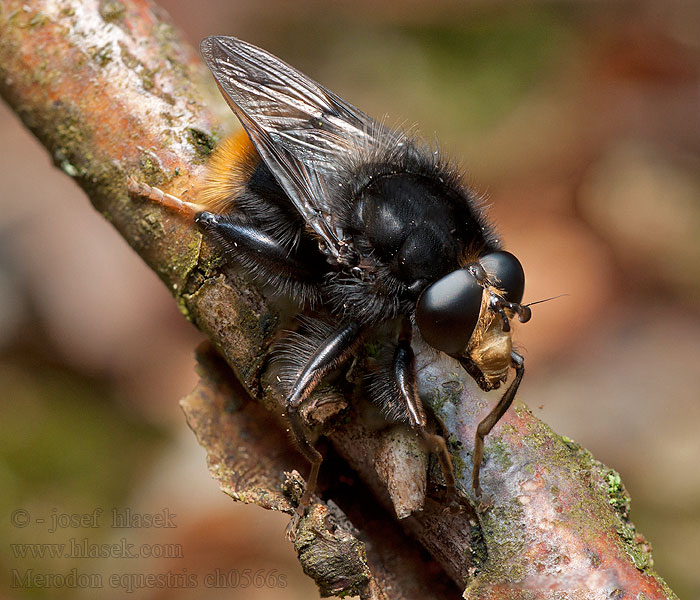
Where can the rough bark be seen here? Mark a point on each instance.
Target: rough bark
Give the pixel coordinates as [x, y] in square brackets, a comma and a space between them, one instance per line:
[112, 91]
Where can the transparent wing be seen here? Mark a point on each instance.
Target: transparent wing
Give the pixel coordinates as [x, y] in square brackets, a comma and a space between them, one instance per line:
[300, 129]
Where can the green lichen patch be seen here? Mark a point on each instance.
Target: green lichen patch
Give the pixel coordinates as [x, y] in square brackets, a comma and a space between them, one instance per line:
[112, 11]
[151, 170]
[145, 74]
[452, 388]
[562, 455]
[459, 464]
[102, 55]
[181, 265]
[617, 495]
[447, 392]
[70, 140]
[505, 544]
[37, 20]
[69, 133]
[633, 543]
[639, 552]
[165, 33]
[477, 550]
[498, 449]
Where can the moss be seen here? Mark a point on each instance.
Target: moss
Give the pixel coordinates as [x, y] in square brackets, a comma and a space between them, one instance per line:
[70, 137]
[631, 542]
[571, 444]
[564, 453]
[203, 142]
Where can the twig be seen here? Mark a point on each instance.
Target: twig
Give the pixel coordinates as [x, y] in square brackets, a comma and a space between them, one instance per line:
[112, 92]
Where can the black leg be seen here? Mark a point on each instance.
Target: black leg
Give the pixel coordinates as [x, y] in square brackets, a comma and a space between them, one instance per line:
[310, 453]
[294, 271]
[329, 354]
[404, 368]
[259, 235]
[243, 240]
[493, 417]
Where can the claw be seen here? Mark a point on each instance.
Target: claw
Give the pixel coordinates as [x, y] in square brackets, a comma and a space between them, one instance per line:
[291, 531]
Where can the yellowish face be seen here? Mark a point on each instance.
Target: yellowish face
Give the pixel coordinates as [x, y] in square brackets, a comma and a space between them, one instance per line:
[490, 347]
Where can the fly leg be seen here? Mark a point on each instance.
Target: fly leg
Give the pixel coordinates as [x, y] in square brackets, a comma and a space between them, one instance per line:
[404, 369]
[239, 238]
[493, 417]
[278, 257]
[158, 196]
[335, 349]
[260, 253]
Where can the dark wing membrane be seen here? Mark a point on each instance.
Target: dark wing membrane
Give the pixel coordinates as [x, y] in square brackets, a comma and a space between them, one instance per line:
[301, 130]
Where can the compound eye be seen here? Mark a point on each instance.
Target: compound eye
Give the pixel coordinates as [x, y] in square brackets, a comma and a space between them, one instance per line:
[506, 272]
[447, 312]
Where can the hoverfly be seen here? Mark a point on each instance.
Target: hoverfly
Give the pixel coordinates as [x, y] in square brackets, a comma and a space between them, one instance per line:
[366, 225]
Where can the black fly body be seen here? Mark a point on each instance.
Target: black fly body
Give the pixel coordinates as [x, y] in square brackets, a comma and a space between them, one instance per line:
[366, 226]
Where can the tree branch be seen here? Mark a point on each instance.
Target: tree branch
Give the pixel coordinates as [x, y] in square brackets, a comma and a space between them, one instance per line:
[112, 92]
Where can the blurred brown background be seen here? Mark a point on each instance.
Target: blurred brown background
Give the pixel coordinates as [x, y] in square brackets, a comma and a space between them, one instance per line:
[580, 122]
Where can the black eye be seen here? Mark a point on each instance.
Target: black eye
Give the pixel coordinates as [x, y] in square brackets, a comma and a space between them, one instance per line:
[507, 273]
[447, 311]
